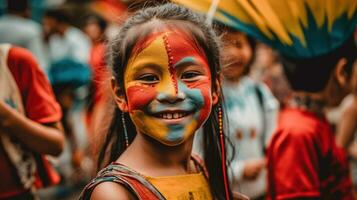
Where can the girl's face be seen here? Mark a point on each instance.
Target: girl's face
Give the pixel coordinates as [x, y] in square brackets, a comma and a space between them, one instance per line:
[168, 87]
[236, 55]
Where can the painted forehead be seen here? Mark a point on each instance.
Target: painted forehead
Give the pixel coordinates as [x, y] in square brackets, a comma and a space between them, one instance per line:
[179, 46]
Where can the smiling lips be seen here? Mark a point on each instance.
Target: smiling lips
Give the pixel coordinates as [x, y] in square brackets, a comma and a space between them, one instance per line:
[172, 114]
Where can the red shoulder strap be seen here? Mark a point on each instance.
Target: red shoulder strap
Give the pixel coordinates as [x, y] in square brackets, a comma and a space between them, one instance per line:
[141, 190]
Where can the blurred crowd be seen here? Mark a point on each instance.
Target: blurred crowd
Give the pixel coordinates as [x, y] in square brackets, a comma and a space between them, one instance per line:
[68, 39]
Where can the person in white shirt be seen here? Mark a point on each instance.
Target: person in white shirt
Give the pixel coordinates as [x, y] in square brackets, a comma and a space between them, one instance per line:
[17, 28]
[64, 40]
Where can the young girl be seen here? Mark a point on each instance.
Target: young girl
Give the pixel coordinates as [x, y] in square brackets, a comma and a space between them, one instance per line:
[165, 62]
[251, 110]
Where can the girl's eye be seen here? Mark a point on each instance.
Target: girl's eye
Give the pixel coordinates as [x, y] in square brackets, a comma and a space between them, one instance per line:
[190, 75]
[149, 78]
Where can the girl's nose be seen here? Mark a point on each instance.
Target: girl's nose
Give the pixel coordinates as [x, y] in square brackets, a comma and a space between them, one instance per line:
[173, 93]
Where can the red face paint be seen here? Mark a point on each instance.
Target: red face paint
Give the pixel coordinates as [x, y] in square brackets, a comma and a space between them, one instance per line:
[141, 95]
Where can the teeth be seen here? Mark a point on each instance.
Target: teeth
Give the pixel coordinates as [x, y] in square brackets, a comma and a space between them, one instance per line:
[172, 115]
[176, 115]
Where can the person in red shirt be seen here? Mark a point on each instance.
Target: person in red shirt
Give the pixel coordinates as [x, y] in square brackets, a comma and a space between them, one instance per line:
[95, 27]
[39, 129]
[304, 161]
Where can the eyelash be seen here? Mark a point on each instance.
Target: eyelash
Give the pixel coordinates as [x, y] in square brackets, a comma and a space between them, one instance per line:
[153, 79]
[193, 75]
[149, 78]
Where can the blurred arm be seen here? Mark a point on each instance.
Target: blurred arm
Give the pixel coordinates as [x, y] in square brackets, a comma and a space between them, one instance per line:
[44, 139]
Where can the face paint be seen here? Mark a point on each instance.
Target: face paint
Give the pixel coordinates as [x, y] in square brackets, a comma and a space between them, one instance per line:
[168, 87]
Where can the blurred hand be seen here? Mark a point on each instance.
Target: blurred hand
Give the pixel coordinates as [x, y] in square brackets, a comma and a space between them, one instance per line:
[252, 168]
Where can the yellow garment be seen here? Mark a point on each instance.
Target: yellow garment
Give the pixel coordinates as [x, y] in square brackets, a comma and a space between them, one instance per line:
[182, 187]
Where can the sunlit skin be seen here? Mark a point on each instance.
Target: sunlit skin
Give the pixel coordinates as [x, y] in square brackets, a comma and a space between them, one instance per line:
[168, 87]
[236, 55]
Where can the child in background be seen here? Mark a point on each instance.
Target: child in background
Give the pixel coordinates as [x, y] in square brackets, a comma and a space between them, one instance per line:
[95, 27]
[251, 111]
[165, 63]
[304, 139]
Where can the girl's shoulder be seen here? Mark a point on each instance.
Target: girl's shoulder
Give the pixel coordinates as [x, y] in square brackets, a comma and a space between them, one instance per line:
[110, 191]
[122, 181]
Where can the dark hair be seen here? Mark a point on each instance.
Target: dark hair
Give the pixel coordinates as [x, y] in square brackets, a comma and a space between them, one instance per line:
[134, 5]
[97, 19]
[312, 74]
[59, 14]
[17, 5]
[120, 50]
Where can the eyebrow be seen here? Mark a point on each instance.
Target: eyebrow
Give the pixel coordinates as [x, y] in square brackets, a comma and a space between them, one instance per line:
[147, 65]
[186, 60]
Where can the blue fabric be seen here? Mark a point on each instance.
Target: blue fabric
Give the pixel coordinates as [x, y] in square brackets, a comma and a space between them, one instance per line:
[71, 72]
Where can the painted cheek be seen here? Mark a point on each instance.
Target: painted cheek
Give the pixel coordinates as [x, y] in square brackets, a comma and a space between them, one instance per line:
[207, 102]
[149, 125]
[201, 91]
[140, 96]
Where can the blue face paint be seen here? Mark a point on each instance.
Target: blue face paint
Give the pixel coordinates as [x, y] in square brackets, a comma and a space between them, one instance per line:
[192, 102]
[188, 59]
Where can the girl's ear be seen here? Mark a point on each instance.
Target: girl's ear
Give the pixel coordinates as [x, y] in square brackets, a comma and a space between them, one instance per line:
[118, 94]
[217, 93]
[340, 72]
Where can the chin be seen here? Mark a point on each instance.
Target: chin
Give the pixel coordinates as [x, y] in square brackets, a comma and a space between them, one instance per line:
[171, 143]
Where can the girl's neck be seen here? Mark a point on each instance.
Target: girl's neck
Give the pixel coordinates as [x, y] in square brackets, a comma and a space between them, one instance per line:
[151, 158]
